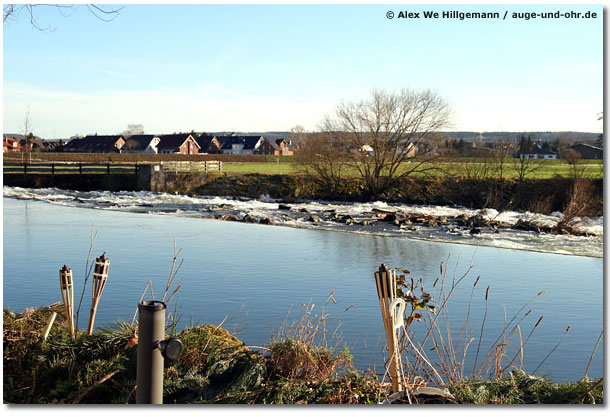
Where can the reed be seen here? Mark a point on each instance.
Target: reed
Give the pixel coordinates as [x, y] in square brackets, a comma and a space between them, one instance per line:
[438, 353]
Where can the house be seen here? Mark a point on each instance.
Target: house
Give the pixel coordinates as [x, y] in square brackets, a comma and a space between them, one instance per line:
[33, 144]
[538, 152]
[141, 144]
[10, 144]
[210, 144]
[409, 151]
[242, 145]
[96, 144]
[276, 147]
[588, 151]
[182, 143]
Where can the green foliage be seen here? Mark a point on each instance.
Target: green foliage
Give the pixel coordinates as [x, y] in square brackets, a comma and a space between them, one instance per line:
[216, 367]
[521, 388]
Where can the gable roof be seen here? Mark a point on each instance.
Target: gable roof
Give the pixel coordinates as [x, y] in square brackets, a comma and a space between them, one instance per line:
[538, 150]
[95, 143]
[248, 142]
[584, 145]
[204, 141]
[138, 142]
[175, 141]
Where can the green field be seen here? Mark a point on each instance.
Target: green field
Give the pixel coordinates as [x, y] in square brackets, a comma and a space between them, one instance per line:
[457, 167]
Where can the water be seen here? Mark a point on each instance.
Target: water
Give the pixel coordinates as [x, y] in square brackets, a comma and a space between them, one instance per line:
[248, 276]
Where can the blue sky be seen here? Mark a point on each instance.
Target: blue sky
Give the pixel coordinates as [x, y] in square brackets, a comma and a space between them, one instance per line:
[271, 67]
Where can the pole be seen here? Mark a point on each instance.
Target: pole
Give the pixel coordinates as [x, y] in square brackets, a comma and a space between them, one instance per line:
[151, 332]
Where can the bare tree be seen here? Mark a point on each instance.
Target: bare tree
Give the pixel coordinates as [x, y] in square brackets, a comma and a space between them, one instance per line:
[379, 134]
[133, 129]
[297, 136]
[501, 155]
[11, 12]
[573, 158]
[523, 166]
[324, 160]
[27, 134]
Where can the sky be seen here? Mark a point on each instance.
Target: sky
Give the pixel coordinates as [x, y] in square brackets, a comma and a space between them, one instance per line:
[257, 68]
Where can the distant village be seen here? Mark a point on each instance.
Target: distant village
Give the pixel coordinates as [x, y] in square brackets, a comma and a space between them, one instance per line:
[177, 143]
[535, 145]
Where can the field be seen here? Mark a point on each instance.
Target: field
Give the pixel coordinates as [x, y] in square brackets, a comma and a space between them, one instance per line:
[458, 167]
[475, 168]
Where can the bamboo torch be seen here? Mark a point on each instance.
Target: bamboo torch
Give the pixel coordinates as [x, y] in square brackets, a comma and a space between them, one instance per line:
[100, 275]
[67, 295]
[385, 280]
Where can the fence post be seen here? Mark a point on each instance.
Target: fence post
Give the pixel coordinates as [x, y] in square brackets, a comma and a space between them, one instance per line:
[108, 168]
[53, 168]
[25, 167]
[136, 167]
[80, 167]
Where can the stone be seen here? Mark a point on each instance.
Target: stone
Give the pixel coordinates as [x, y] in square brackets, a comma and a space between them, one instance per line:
[314, 219]
[267, 220]
[249, 219]
[477, 221]
[283, 207]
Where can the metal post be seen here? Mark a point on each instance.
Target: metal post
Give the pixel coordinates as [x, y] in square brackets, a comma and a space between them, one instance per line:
[151, 332]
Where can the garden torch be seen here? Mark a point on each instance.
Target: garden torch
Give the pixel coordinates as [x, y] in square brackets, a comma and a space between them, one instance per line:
[100, 275]
[67, 295]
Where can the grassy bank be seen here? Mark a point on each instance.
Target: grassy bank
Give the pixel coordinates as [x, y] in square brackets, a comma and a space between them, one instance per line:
[216, 367]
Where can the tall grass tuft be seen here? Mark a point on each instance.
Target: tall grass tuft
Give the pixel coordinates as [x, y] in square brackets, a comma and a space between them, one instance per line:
[306, 348]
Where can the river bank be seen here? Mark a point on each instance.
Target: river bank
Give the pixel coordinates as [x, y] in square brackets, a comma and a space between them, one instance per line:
[542, 196]
[218, 368]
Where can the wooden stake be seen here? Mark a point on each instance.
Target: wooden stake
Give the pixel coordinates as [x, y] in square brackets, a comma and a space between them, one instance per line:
[100, 276]
[67, 295]
[47, 329]
[385, 280]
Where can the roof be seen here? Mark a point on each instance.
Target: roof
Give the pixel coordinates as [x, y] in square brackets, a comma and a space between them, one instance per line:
[138, 142]
[95, 143]
[594, 148]
[174, 141]
[539, 151]
[204, 141]
[249, 142]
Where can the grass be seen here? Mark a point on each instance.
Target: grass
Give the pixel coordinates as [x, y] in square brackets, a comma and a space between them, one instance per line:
[273, 165]
[456, 167]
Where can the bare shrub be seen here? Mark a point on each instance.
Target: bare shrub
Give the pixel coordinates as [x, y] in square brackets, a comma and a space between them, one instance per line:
[580, 202]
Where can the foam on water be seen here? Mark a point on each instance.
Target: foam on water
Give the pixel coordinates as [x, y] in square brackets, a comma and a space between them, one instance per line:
[266, 207]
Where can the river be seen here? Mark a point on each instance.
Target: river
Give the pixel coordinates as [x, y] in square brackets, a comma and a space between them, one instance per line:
[252, 277]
